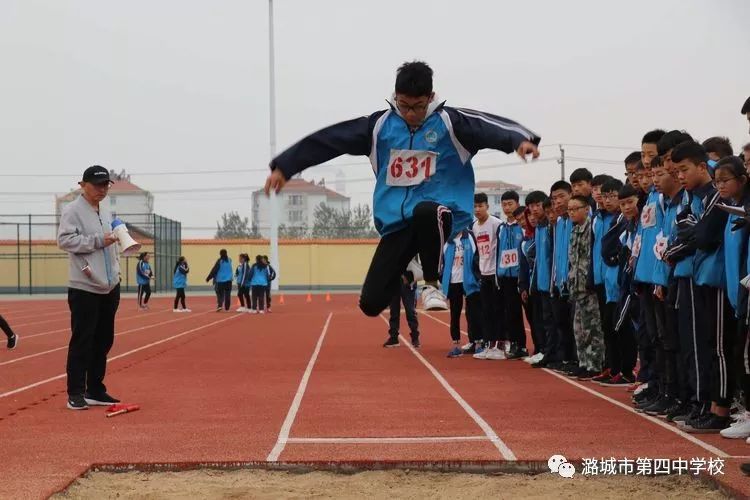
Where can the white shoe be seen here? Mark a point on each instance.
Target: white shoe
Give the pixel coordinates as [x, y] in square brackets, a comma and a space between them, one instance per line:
[641, 388]
[506, 349]
[481, 354]
[261, 312]
[433, 299]
[495, 353]
[467, 347]
[176, 310]
[187, 311]
[535, 358]
[740, 429]
[241, 309]
[252, 311]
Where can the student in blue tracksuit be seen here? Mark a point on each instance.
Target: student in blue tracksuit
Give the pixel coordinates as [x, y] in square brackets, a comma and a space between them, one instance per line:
[271, 277]
[731, 180]
[460, 278]
[242, 277]
[259, 280]
[526, 264]
[221, 274]
[563, 342]
[421, 152]
[539, 206]
[600, 223]
[651, 311]
[619, 341]
[704, 347]
[509, 237]
[143, 275]
[670, 381]
[179, 282]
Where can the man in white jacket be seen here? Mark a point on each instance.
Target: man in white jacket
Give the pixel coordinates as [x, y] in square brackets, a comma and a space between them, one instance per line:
[85, 232]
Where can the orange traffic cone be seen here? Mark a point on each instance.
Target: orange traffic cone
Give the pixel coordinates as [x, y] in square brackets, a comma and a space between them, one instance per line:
[309, 298]
[281, 300]
[328, 297]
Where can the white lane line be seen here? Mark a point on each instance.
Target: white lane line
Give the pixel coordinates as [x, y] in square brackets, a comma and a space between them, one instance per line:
[710, 448]
[486, 428]
[684, 435]
[286, 427]
[35, 355]
[122, 355]
[388, 440]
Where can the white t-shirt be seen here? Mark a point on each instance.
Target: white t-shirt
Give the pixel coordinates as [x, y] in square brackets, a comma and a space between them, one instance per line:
[486, 235]
[457, 271]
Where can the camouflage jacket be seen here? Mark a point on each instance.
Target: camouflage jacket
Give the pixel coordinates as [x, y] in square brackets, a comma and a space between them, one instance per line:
[580, 272]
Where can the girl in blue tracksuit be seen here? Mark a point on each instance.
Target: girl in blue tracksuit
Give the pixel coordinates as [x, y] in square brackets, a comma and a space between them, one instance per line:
[259, 280]
[179, 282]
[221, 274]
[271, 277]
[734, 189]
[460, 278]
[242, 276]
[143, 275]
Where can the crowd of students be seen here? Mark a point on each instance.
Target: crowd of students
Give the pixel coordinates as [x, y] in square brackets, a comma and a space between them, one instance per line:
[253, 282]
[640, 284]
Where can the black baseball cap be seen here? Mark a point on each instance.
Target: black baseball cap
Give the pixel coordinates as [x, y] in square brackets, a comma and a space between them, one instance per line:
[96, 175]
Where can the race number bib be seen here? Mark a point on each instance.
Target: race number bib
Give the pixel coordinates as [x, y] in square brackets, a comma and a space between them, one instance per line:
[636, 250]
[458, 258]
[407, 167]
[508, 258]
[648, 215]
[484, 244]
[660, 246]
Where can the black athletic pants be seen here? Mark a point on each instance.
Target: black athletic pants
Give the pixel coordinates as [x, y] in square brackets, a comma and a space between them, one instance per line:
[562, 310]
[5, 327]
[92, 323]
[268, 297]
[552, 341]
[224, 295]
[473, 313]
[144, 293]
[511, 313]
[259, 297]
[243, 293]
[607, 325]
[675, 374]
[428, 229]
[695, 330]
[179, 298]
[408, 295]
[489, 295]
[534, 317]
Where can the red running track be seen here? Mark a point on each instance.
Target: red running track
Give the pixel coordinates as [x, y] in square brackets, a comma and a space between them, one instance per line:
[308, 383]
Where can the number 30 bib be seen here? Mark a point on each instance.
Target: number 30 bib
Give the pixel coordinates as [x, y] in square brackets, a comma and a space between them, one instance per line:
[408, 167]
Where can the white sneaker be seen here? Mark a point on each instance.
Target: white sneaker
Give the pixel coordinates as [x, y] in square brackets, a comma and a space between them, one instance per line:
[482, 354]
[187, 311]
[641, 388]
[535, 358]
[495, 353]
[241, 309]
[740, 429]
[433, 299]
[506, 349]
[176, 310]
[467, 347]
[261, 312]
[252, 311]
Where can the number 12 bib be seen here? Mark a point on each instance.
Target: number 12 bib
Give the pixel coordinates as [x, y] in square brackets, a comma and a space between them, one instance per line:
[408, 167]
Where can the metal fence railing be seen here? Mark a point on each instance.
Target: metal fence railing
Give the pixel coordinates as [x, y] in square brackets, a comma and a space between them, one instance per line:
[30, 261]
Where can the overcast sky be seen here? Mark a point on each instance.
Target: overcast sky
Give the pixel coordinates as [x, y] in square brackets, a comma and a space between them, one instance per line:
[182, 85]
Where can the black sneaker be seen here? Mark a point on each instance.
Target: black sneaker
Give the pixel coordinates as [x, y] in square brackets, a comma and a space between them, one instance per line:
[102, 399]
[415, 341]
[698, 411]
[12, 342]
[517, 353]
[618, 380]
[680, 414]
[543, 363]
[745, 468]
[647, 393]
[642, 405]
[660, 406]
[587, 375]
[77, 402]
[674, 410]
[391, 342]
[711, 424]
[555, 366]
[575, 372]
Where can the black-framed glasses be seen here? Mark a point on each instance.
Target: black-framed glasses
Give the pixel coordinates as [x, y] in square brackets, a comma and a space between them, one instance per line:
[571, 210]
[417, 108]
[721, 182]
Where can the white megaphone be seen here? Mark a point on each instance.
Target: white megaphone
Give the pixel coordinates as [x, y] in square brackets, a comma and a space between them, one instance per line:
[128, 246]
